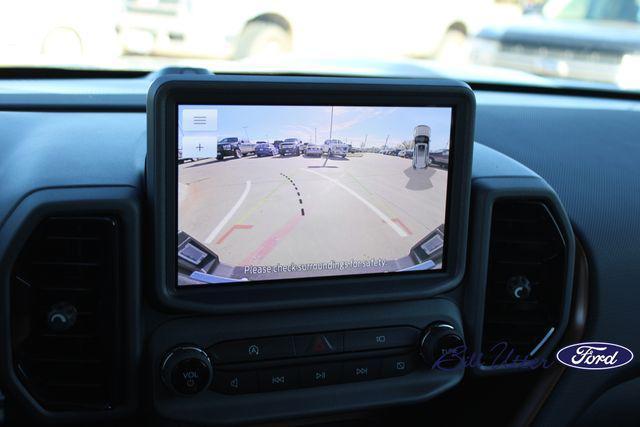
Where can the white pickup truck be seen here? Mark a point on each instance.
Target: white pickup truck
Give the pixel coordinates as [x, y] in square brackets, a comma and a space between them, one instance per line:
[247, 147]
[335, 147]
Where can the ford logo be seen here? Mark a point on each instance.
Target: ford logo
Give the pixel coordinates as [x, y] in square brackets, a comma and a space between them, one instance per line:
[594, 355]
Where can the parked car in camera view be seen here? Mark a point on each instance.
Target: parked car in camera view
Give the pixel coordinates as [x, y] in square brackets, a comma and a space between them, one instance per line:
[247, 147]
[181, 159]
[313, 150]
[290, 147]
[229, 147]
[406, 153]
[440, 157]
[335, 148]
[264, 148]
[391, 152]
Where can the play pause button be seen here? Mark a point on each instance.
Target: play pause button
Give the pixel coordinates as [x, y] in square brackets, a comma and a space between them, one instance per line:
[320, 375]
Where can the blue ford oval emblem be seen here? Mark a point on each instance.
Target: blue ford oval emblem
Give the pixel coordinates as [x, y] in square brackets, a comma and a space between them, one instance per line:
[594, 355]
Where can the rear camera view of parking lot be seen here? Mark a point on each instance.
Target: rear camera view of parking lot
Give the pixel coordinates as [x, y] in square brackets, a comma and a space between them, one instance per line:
[280, 192]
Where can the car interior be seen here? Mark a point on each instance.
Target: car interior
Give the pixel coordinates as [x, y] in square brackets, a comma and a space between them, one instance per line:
[267, 237]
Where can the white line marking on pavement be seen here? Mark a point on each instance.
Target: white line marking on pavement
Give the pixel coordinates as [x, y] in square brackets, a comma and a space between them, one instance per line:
[182, 192]
[375, 210]
[233, 210]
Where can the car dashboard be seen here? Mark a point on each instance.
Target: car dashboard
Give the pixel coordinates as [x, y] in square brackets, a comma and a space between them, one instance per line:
[554, 197]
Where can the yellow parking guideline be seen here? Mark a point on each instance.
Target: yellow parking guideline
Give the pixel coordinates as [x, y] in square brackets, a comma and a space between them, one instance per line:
[259, 203]
[386, 208]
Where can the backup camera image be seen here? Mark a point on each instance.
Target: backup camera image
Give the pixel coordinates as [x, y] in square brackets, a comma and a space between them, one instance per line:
[282, 192]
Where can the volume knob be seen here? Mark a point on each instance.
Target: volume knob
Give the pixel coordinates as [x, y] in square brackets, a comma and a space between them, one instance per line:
[186, 370]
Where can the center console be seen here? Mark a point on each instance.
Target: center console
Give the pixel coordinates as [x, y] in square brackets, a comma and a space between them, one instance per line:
[313, 264]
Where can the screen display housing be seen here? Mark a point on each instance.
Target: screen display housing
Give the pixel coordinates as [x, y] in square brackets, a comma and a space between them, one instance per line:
[168, 93]
[279, 192]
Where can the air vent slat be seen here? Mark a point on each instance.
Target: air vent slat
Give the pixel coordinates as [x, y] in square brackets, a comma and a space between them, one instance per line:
[66, 263]
[525, 276]
[66, 340]
[66, 360]
[64, 289]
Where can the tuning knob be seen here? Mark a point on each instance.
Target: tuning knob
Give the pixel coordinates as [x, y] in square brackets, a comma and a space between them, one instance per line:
[438, 340]
[186, 370]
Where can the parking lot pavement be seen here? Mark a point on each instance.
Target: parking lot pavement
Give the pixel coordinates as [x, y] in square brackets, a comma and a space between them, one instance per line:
[272, 210]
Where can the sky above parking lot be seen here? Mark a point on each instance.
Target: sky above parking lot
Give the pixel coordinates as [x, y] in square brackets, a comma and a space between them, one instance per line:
[313, 123]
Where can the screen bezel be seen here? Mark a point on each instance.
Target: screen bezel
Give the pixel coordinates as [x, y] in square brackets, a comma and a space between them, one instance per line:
[162, 174]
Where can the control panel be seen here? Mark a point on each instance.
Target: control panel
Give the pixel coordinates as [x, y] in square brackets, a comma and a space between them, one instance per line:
[351, 361]
[309, 360]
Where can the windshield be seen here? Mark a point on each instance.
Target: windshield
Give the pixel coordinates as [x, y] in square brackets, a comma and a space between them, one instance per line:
[594, 10]
[586, 43]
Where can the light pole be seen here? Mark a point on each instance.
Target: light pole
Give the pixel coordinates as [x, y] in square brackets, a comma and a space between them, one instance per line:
[330, 135]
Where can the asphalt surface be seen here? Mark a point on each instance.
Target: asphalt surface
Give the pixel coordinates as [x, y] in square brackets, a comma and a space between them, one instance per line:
[256, 213]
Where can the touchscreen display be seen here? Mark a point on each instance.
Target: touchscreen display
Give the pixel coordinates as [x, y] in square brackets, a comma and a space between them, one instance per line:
[281, 192]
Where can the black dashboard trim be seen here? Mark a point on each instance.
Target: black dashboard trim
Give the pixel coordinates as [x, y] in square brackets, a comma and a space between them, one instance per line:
[67, 103]
[588, 92]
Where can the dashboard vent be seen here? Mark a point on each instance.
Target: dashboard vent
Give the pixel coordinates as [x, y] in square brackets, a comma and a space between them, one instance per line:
[65, 319]
[525, 282]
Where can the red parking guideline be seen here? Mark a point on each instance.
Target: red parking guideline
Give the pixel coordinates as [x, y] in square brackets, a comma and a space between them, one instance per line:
[229, 231]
